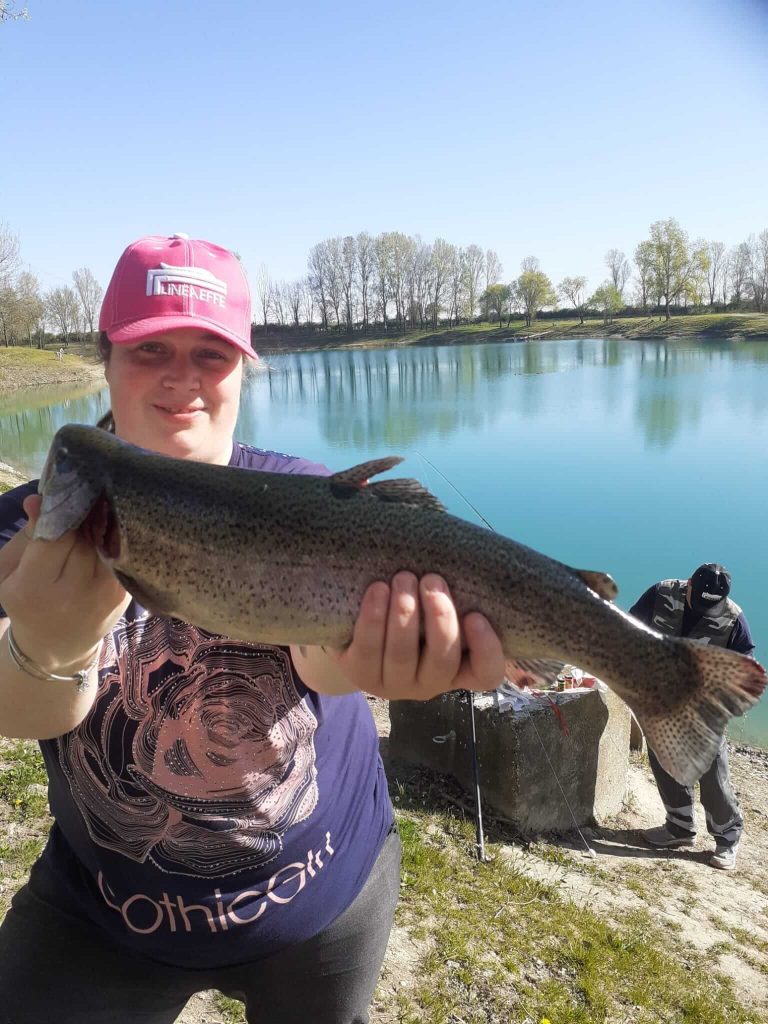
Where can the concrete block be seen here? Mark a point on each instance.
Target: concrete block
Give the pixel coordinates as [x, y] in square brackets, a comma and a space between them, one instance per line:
[531, 773]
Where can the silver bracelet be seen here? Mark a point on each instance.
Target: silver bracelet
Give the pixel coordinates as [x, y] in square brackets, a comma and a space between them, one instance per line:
[21, 661]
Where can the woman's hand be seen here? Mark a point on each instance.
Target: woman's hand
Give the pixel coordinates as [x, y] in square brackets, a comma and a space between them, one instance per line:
[408, 644]
[60, 597]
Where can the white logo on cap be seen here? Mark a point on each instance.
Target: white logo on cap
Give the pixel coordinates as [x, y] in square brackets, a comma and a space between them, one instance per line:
[189, 282]
[711, 597]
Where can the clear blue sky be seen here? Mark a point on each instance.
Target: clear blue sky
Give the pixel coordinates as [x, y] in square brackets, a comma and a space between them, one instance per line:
[556, 129]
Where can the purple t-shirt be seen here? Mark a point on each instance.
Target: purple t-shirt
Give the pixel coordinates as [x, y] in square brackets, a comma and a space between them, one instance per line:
[210, 809]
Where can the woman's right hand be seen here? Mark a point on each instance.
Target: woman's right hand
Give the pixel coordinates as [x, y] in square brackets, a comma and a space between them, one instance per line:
[59, 595]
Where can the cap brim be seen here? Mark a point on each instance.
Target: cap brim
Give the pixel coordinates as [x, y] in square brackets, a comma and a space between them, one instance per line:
[140, 330]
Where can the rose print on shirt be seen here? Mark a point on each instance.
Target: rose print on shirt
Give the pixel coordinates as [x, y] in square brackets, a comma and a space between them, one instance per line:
[210, 752]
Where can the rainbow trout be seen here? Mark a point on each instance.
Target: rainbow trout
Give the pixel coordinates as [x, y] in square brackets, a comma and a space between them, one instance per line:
[285, 559]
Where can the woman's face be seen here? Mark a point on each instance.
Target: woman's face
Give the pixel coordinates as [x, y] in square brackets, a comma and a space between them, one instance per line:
[177, 393]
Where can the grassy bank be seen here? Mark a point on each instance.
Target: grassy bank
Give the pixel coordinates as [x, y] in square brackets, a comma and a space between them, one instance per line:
[707, 325]
[506, 942]
[31, 368]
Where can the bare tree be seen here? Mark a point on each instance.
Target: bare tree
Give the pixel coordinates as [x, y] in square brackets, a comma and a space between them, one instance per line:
[442, 258]
[365, 263]
[473, 266]
[619, 268]
[8, 12]
[716, 255]
[263, 284]
[318, 280]
[9, 254]
[349, 279]
[573, 289]
[738, 272]
[31, 309]
[90, 293]
[758, 270]
[295, 296]
[62, 311]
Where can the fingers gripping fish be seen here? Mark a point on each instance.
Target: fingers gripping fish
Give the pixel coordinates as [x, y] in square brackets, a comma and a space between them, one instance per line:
[286, 560]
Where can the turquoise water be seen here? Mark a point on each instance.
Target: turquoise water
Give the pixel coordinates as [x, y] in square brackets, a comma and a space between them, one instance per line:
[643, 459]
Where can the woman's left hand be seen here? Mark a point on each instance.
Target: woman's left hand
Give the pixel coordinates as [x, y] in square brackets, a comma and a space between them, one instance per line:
[409, 644]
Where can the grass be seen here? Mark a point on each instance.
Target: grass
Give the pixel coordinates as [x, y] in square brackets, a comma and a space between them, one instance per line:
[497, 945]
[23, 814]
[505, 947]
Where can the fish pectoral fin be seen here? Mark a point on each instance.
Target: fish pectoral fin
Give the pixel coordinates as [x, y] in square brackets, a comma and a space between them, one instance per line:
[535, 673]
[148, 597]
[354, 481]
[602, 584]
[717, 684]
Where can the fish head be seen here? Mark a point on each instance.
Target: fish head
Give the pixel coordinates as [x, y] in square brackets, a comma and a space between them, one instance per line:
[74, 486]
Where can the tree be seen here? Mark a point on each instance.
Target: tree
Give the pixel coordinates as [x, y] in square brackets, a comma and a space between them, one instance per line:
[645, 261]
[738, 271]
[607, 299]
[30, 307]
[493, 271]
[496, 298]
[473, 265]
[365, 260]
[9, 254]
[90, 293]
[758, 270]
[62, 311]
[716, 255]
[618, 265]
[440, 264]
[534, 288]
[348, 278]
[671, 260]
[572, 289]
[264, 291]
[7, 12]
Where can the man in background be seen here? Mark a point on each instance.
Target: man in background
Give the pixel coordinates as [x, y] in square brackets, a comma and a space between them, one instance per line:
[700, 609]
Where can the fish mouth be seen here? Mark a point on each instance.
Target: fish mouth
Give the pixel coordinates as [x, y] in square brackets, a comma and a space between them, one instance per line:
[102, 529]
[75, 498]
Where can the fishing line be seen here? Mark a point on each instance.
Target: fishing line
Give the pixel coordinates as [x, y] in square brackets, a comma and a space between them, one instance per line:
[462, 496]
[589, 850]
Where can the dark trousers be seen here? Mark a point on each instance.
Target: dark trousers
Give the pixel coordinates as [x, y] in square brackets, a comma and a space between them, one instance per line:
[724, 818]
[54, 967]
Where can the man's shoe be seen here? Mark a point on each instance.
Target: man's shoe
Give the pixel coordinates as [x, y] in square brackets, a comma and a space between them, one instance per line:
[663, 839]
[724, 857]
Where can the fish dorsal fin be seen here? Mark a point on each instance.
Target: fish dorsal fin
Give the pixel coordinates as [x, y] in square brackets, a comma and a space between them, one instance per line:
[602, 584]
[350, 482]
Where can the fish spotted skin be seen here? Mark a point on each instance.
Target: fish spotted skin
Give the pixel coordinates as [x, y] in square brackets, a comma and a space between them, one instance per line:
[285, 559]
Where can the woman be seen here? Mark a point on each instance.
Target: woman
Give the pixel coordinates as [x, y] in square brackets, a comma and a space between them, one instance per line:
[221, 816]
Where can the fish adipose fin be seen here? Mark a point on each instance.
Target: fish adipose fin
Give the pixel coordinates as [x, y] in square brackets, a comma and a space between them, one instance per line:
[718, 684]
[602, 584]
[351, 482]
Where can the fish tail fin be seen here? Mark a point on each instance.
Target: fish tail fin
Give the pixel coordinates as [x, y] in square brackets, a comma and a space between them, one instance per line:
[717, 684]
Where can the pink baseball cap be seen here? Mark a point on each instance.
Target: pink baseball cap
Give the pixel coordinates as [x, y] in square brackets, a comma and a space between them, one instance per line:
[164, 283]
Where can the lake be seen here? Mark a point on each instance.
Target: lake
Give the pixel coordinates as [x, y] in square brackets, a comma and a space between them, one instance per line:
[640, 458]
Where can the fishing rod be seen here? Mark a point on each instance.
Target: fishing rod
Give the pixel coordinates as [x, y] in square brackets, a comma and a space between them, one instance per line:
[479, 836]
[473, 735]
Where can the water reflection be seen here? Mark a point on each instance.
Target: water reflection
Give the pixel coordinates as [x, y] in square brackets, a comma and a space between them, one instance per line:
[26, 432]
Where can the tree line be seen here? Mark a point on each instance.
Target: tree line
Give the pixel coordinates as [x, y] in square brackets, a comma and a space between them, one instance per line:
[28, 314]
[399, 282]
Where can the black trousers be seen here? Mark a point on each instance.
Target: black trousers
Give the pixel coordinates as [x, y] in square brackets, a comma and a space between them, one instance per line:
[724, 818]
[54, 967]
